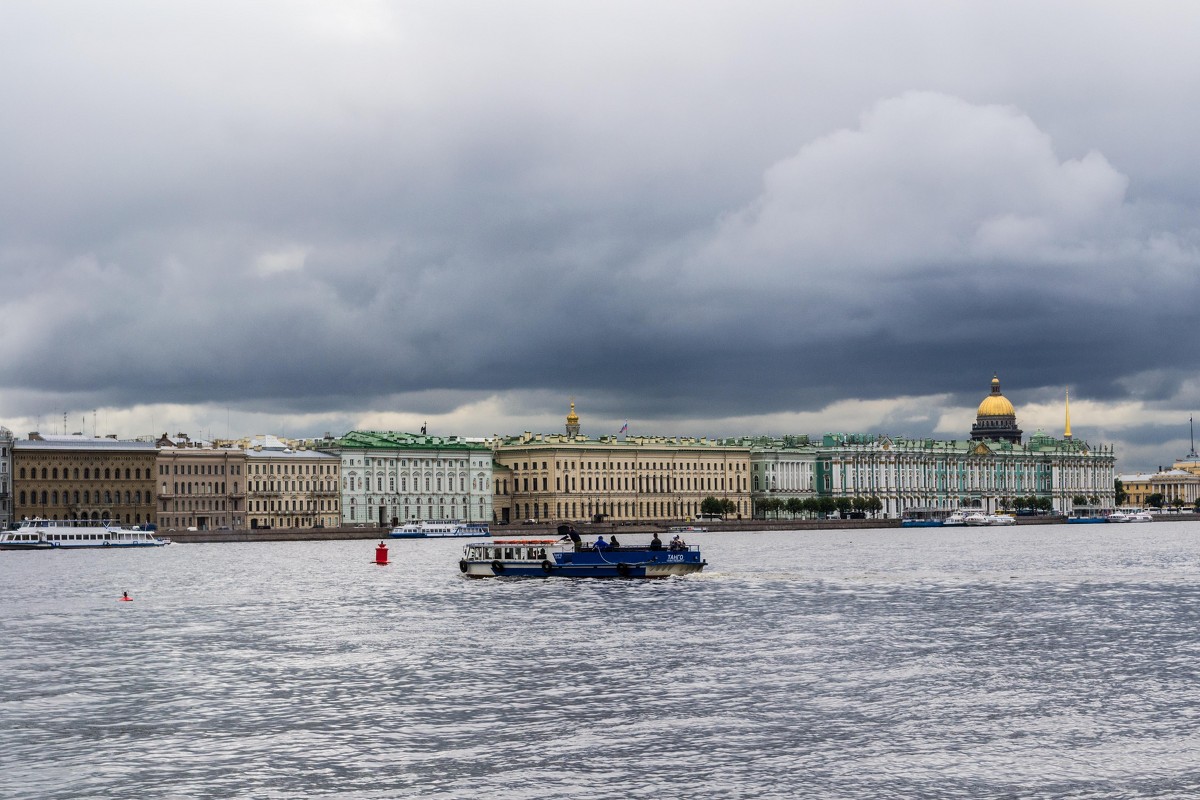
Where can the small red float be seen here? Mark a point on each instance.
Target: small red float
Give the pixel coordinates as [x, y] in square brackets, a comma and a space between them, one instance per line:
[381, 555]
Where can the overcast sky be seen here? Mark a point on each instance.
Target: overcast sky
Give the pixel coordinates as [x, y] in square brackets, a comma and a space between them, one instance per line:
[705, 218]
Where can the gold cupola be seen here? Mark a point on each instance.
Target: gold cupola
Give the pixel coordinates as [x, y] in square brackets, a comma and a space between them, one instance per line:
[996, 404]
[996, 418]
[572, 421]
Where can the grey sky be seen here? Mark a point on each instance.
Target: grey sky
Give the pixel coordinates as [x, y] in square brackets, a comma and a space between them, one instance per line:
[707, 219]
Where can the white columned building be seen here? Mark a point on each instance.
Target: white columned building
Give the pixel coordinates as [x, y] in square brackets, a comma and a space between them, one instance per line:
[390, 477]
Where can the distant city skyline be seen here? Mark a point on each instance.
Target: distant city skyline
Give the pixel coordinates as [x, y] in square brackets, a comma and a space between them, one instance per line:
[702, 219]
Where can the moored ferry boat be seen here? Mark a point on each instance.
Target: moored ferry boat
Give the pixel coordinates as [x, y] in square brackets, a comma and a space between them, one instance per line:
[923, 517]
[677, 529]
[956, 520]
[571, 558]
[56, 534]
[1001, 519]
[1117, 516]
[1140, 516]
[440, 529]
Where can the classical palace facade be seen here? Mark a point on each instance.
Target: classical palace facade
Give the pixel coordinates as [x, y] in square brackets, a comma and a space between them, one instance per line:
[637, 478]
[200, 486]
[990, 470]
[288, 487]
[389, 477]
[76, 477]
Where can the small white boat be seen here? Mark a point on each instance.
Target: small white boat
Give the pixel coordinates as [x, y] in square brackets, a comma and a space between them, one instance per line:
[957, 519]
[686, 529]
[69, 534]
[440, 529]
[1118, 516]
[1140, 516]
[1001, 519]
[976, 519]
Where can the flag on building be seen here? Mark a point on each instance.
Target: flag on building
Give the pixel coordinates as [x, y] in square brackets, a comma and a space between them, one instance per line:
[624, 427]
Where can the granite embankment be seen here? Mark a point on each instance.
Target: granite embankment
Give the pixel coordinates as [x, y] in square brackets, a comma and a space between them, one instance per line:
[318, 534]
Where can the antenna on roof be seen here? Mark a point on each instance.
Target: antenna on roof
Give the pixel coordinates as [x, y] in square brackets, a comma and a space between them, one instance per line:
[1192, 435]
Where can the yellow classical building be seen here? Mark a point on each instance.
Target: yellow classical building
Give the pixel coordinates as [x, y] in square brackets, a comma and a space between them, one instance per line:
[552, 477]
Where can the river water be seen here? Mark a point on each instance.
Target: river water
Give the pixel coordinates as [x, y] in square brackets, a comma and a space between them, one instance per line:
[1043, 661]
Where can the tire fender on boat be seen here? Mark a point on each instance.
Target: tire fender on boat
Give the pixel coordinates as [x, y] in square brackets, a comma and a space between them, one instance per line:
[547, 566]
[623, 570]
[462, 565]
[497, 567]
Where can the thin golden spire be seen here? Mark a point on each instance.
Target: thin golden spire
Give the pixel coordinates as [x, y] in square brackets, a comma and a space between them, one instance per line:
[1067, 432]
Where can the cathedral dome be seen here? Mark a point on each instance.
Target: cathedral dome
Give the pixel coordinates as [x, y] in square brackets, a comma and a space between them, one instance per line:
[996, 404]
[997, 418]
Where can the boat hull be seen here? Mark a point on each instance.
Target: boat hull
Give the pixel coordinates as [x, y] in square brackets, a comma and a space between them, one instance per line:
[621, 563]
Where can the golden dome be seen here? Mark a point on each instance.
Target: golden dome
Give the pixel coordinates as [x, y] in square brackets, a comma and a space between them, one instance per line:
[572, 418]
[996, 404]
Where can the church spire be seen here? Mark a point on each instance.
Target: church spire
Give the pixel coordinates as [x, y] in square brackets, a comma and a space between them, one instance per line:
[1067, 432]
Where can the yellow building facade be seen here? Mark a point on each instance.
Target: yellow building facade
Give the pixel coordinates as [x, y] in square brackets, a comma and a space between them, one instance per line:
[571, 477]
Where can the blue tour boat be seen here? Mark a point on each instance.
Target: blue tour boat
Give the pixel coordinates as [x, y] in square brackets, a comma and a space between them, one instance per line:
[570, 557]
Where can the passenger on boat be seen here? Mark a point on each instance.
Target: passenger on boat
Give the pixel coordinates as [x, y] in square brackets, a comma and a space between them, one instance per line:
[656, 543]
[600, 543]
[613, 543]
[677, 543]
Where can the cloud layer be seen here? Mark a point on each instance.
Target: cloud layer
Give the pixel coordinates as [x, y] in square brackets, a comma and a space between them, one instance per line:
[707, 220]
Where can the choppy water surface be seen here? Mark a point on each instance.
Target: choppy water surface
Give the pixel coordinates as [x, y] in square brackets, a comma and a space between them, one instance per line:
[1049, 661]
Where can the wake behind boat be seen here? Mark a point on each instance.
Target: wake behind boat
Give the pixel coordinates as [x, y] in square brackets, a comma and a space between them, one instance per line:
[440, 529]
[56, 534]
[569, 557]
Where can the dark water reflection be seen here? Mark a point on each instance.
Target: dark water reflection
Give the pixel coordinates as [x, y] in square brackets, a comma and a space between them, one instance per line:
[1031, 662]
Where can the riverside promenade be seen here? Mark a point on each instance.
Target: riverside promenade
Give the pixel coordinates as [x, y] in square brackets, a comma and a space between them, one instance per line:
[585, 529]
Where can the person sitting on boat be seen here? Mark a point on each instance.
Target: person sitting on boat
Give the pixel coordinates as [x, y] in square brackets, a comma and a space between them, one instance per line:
[677, 543]
[613, 543]
[600, 543]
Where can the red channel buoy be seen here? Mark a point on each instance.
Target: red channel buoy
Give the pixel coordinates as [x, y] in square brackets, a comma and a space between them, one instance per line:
[125, 598]
[381, 555]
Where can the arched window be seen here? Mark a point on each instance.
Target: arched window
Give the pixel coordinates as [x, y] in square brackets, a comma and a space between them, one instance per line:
[54, 473]
[107, 473]
[22, 475]
[76, 497]
[22, 496]
[107, 496]
[43, 497]
[77, 473]
[43, 473]
[127, 473]
[54, 498]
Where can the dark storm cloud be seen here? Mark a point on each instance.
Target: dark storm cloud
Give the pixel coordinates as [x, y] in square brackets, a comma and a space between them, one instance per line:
[700, 215]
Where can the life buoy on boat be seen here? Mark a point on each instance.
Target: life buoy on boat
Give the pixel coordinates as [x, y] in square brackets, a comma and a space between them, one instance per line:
[623, 570]
[547, 566]
[497, 567]
[462, 565]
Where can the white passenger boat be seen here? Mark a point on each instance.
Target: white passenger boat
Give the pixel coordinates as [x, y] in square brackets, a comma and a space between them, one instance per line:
[686, 529]
[1001, 519]
[976, 519]
[1140, 516]
[1117, 516]
[957, 519]
[440, 529]
[68, 534]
